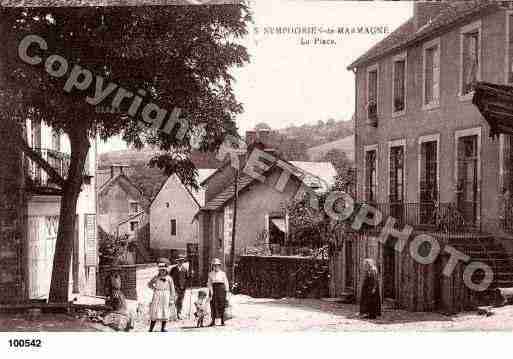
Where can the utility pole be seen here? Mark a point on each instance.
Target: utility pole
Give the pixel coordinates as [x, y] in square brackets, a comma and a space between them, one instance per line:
[234, 223]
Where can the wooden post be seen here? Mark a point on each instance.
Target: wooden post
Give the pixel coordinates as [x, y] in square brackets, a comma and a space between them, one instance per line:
[234, 223]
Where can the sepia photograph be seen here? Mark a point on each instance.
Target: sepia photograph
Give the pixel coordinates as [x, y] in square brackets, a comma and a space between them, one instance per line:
[230, 167]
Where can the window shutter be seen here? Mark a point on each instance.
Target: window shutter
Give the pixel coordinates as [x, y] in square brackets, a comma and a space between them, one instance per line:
[436, 74]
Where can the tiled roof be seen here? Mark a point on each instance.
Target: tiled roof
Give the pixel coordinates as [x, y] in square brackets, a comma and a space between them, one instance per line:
[199, 194]
[317, 174]
[406, 34]
[229, 192]
[312, 174]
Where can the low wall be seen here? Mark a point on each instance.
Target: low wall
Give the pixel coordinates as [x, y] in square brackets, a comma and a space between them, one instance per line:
[134, 280]
[278, 276]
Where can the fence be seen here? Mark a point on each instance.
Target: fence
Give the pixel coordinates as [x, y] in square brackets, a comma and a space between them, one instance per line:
[278, 277]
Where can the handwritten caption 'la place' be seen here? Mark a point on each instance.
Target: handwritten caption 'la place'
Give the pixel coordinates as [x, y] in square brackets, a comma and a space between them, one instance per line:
[320, 35]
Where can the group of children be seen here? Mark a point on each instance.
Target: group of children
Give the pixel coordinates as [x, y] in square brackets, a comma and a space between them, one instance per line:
[162, 304]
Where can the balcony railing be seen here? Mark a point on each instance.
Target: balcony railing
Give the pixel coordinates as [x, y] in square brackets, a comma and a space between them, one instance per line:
[59, 162]
[428, 216]
[506, 217]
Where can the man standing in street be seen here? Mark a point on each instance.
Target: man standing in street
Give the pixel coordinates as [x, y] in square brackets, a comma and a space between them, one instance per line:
[180, 275]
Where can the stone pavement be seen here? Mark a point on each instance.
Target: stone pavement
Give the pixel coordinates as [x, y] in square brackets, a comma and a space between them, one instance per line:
[289, 315]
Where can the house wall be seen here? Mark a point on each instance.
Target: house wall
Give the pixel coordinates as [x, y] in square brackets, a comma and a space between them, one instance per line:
[41, 234]
[452, 115]
[12, 220]
[253, 205]
[182, 207]
[114, 207]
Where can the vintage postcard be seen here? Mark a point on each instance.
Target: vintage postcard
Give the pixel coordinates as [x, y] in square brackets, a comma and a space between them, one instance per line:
[255, 166]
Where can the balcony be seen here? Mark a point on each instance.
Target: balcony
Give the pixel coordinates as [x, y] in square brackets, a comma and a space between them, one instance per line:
[38, 178]
[428, 216]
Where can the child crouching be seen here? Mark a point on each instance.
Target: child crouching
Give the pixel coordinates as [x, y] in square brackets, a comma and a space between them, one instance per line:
[201, 305]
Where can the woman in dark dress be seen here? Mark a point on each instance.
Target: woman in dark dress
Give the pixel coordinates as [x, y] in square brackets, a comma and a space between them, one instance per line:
[218, 288]
[370, 302]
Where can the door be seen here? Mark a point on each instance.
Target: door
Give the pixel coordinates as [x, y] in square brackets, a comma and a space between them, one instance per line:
[467, 190]
[389, 269]
[42, 233]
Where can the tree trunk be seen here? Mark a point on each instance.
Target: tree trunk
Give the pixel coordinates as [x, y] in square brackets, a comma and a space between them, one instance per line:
[59, 286]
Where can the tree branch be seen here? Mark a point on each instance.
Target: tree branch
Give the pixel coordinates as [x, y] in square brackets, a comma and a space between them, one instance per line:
[36, 157]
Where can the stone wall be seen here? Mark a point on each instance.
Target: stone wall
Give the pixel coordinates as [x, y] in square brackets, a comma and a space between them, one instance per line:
[11, 222]
[134, 280]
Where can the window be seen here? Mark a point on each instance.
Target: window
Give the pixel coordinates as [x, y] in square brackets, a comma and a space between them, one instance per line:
[470, 58]
[134, 226]
[428, 177]
[396, 186]
[399, 89]
[173, 227]
[431, 87]
[371, 180]
[134, 207]
[167, 204]
[372, 94]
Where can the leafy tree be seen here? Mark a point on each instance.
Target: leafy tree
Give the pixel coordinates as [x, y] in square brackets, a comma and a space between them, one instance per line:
[346, 175]
[180, 56]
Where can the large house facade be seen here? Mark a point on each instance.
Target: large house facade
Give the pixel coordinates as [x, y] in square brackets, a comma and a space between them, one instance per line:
[421, 146]
[30, 218]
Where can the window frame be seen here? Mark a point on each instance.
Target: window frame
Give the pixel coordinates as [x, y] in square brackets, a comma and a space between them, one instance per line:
[366, 149]
[465, 30]
[474, 131]
[130, 203]
[397, 143]
[423, 139]
[397, 58]
[370, 69]
[171, 222]
[136, 226]
[427, 46]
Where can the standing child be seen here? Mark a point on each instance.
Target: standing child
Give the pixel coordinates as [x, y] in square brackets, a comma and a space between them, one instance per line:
[163, 297]
[201, 308]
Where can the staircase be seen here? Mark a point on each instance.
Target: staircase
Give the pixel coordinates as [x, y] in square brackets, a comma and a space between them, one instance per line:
[313, 278]
[490, 251]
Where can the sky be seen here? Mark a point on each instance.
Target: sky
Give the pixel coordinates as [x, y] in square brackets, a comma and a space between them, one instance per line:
[288, 82]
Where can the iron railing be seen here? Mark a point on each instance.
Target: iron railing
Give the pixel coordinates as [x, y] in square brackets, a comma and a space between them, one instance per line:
[506, 217]
[59, 162]
[429, 216]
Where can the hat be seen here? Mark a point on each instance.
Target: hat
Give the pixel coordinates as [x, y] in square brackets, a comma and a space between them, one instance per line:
[216, 261]
[163, 262]
[180, 257]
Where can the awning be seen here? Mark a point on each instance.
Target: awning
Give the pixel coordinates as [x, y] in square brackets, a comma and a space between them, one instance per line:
[279, 223]
[495, 102]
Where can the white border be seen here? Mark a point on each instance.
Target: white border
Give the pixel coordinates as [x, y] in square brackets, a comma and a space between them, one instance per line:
[475, 131]
[423, 139]
[476, 25]
[400, 57]
[397, 143]
[428, 45]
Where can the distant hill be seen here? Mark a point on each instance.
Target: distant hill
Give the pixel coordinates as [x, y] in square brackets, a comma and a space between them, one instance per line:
[320, 133]
[135, 162]
[345, 145]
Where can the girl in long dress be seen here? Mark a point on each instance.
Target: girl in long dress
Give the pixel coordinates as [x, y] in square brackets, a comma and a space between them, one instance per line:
[163, 297]
[370, 302]
[218, 288]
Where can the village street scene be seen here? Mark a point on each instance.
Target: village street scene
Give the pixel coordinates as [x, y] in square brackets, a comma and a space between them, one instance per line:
[251, 167]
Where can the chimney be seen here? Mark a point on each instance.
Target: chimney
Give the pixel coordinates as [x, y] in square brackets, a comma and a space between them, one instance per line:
[263, 137]
[425, 11]
[251, 137]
